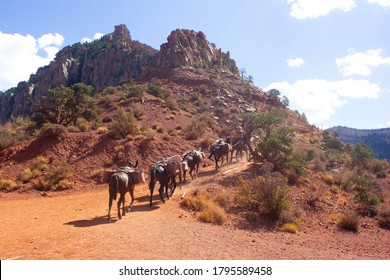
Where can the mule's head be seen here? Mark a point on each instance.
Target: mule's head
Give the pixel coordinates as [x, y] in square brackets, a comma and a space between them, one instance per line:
[131, 165]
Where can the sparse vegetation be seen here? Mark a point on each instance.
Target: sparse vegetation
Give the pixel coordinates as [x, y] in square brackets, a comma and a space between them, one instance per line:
[266, 195]
[349, 221]
[123, 124]
[209, 211]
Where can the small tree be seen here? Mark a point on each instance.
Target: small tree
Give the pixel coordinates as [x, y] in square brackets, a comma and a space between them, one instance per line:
[64, 105]
[275, 138]
[361, 155]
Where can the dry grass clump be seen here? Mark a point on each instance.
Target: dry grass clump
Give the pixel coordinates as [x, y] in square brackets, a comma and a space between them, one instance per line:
[57, 178]
[290, 227]
[8, 185]
[209, 210]
[384, 218]
[349, 221]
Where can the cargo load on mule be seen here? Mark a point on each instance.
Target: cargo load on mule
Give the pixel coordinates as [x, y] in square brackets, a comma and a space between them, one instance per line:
[136, 176]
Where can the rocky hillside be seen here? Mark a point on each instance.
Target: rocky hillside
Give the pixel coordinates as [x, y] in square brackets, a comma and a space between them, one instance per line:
[110, 60]
[377, 139]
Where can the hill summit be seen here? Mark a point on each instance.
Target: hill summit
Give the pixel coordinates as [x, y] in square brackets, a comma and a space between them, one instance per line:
[112, 59]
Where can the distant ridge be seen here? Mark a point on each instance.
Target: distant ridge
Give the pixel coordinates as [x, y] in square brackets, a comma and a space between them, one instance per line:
[377, 139]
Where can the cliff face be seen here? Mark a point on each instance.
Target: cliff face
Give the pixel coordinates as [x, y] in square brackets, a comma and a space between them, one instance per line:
[188, 48]
[108, 61]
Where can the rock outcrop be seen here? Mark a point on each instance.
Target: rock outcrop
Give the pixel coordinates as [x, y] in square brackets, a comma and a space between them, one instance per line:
[108, 61]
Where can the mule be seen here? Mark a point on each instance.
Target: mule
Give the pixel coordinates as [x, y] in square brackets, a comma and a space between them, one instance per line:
[192, 159]
[121, 181]
[159, 173]
[219, 150]
[238, 146]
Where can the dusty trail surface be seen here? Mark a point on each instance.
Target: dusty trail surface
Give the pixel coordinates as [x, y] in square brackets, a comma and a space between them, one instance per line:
[74, 226]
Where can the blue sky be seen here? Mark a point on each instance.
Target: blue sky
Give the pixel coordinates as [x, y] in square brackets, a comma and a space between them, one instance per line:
[331, 58]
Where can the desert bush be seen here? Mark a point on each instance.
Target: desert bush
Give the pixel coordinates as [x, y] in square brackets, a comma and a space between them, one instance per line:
[28, 174]
[209, 211]
[213, 214]
[102, 130]
[198, 126]
[295, 167]
[123, 124]
[266, 195]
[138, 112]
[8, 185]
[54, 131]
[63, 185]
[361, 155]
[363, 186]
[83, 125]
[384, 218]
[156, 90]
[171, 104]
[110, 91]
[55, 175]
[378, 167]
[40, 163]
[7, 138]
[349, 221]
[291, 228]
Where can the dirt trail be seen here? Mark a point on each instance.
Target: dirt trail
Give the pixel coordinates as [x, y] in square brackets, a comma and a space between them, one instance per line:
[74, 226]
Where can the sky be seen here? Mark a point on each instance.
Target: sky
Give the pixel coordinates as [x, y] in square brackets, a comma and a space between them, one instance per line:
[330, 58]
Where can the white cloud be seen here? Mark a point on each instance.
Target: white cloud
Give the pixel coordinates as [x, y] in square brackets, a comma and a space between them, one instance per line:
[383, 3]
[19, 56]
[295, 62]
[302, 9]
[319, 99]
[361, 63]
[95, 37]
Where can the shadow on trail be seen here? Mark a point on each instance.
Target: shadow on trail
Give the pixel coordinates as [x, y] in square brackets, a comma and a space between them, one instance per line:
[90, 223]
[100, 220]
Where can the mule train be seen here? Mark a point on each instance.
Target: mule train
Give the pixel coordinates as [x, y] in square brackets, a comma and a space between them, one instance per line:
[165, 171]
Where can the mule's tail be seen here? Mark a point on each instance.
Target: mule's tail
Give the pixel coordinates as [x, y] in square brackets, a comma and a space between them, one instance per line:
[113, 185]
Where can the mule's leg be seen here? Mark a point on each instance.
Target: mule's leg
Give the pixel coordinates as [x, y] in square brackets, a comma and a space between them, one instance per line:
[119, 207]
[174, 185]
[161, 191]
[151, 196]
[123, 203]
[131, 192]
[109, 208]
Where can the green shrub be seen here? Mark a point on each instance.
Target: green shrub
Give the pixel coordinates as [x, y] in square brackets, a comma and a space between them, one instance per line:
[156, 90]
[123, 124]
[54, 131]
[265, 195]
[363, 186]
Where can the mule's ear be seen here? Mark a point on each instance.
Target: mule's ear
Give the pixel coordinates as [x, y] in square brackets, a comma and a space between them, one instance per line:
[136, 164]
